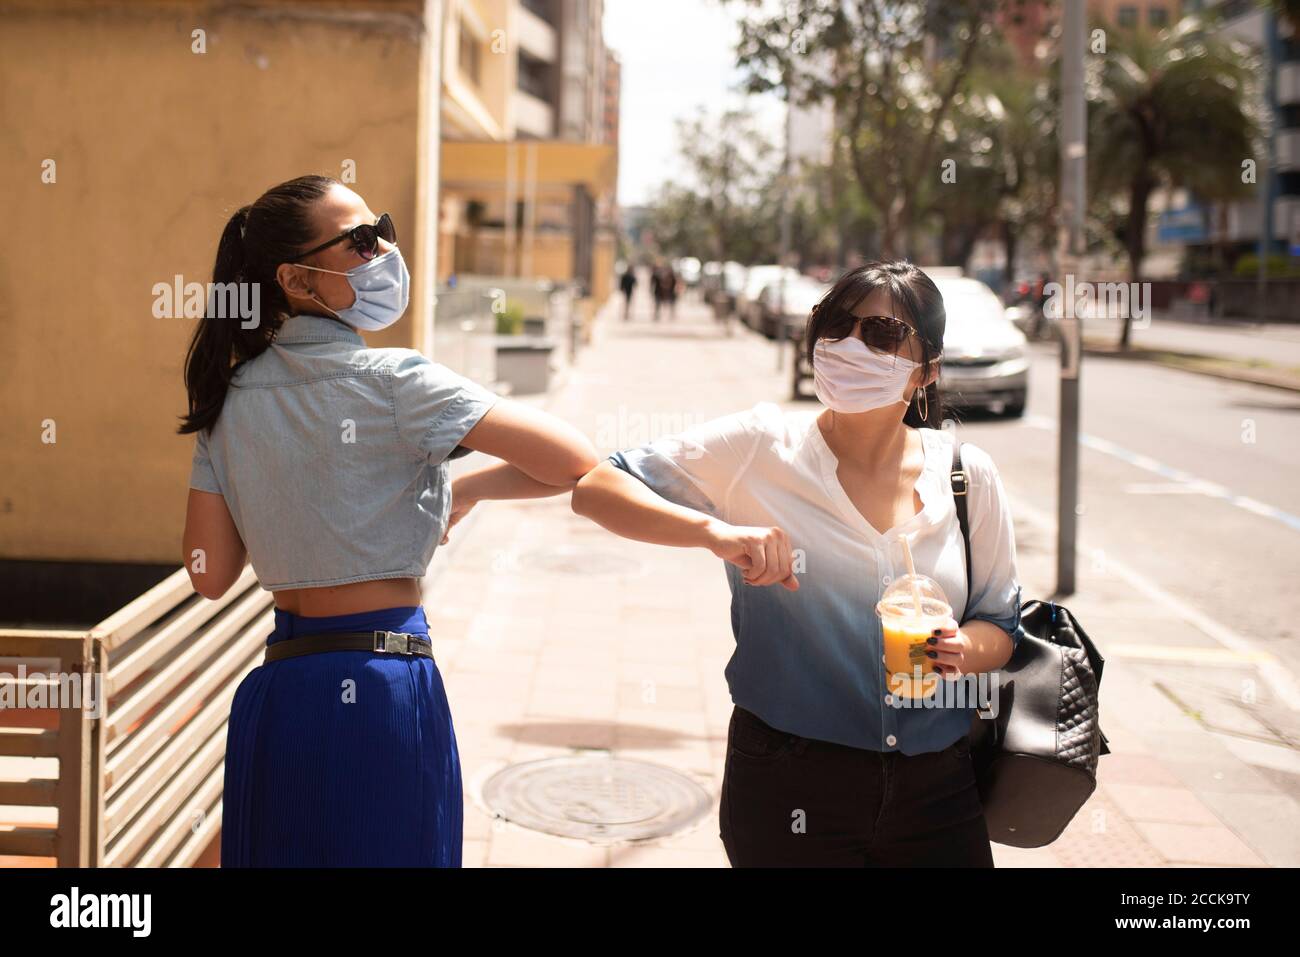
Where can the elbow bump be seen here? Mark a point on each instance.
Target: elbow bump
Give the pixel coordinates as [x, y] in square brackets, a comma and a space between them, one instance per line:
[580, 500]
[587, 461]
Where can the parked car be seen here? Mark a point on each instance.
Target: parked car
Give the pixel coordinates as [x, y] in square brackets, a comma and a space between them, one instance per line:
[720, 285]
[986, 362]
[755, 279]
[780, 313]
[688, 271]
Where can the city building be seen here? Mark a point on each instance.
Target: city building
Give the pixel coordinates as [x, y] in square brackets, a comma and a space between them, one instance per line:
[1229, 230]
[528, 160]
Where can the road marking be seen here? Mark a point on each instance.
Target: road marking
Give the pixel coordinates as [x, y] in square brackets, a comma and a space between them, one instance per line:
[1271, 670]
[1162, 488]
[1212, 489]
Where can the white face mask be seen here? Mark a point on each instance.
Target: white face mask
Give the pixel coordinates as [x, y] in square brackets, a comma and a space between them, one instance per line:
[850, 377]
[383, 291]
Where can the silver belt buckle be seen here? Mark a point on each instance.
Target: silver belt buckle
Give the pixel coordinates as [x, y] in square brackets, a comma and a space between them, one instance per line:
[389, 642]
[396, 642]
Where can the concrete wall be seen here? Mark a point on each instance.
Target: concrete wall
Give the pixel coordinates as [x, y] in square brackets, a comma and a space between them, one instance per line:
[155, 146]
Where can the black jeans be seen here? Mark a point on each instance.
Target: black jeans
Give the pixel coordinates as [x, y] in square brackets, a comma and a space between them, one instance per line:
[789, 801]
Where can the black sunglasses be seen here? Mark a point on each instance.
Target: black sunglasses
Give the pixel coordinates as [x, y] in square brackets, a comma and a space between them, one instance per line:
[365, 238]
[882, 333]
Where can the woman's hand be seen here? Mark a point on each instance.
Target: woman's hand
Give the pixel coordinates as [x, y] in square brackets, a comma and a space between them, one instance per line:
[763, 553]
[461, 502]
[949, 650]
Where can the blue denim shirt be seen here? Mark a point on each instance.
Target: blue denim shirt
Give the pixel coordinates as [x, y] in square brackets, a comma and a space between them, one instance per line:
[332, 456]
[811, 662]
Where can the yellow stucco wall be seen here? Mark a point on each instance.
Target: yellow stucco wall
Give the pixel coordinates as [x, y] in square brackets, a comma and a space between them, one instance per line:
[155, 147]
[602, 267]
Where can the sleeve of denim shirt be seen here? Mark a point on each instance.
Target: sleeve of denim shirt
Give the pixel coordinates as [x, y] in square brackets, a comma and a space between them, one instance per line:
[202, 475]
[698, 466]
[436, 407]
[995, 586]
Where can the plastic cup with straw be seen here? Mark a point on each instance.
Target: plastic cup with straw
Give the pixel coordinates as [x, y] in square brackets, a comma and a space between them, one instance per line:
[911, 608]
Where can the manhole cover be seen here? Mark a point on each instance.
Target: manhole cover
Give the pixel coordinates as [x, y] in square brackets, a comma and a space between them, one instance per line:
[598, 799]
[577, 560]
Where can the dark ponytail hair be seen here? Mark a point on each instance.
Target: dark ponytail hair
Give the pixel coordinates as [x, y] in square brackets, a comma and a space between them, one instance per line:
[256, 240]
[915, 294]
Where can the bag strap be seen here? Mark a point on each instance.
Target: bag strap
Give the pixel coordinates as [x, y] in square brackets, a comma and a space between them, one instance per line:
[960, 486]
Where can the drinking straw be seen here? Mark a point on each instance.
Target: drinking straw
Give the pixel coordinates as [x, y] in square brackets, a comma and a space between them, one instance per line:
[911, 573]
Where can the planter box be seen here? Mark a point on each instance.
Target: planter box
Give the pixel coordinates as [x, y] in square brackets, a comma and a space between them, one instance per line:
[524, 362]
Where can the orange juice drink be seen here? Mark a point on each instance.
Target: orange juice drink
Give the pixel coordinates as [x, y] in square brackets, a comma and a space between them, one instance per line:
[909, 671]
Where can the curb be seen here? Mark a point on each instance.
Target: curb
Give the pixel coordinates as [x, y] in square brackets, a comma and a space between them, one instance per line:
[1191, 362]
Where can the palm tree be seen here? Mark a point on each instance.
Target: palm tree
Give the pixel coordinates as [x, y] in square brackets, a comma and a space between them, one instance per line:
[1170, 108]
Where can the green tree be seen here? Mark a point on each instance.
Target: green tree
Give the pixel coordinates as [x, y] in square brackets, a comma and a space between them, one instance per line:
[729, 164]
[1015, 107]
[1167, 108]
[892, 71]
[678, 222]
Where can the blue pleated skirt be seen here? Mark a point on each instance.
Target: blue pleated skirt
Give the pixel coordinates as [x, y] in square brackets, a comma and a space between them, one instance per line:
[343, 758]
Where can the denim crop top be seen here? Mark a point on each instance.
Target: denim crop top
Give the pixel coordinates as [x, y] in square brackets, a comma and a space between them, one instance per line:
[332, 457]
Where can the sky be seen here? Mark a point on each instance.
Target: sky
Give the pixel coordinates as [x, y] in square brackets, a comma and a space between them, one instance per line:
[677, 56]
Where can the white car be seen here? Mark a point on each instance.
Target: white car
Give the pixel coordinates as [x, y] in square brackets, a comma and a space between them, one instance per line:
[756, 278]
[688, 270]
[985, 359]
[783, 313]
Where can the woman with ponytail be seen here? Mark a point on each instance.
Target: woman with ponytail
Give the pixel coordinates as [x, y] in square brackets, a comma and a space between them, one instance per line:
[825, 767]
[324, 463]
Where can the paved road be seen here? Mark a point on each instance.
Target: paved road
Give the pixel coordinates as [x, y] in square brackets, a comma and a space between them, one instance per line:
[1177, 498]
[1188, 479]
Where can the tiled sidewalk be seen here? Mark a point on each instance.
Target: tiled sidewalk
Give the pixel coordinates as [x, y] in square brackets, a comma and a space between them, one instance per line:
[555, 636]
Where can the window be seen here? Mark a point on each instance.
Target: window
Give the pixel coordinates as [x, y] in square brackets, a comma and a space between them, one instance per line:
[1127, 16]
[540, 7]
[471, 57]
[534, 76]
[1158, 17]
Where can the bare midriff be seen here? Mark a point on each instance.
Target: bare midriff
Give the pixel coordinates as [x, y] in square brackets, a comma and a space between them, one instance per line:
[349, 599]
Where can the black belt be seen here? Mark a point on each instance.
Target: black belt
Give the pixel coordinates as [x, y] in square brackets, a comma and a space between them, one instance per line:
[384, 642]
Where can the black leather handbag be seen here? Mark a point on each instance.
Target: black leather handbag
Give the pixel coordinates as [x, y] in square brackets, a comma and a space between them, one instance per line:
[1036, 761]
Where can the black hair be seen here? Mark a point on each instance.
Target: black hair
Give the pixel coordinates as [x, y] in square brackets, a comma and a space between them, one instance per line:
[915, 294]
[256, 240]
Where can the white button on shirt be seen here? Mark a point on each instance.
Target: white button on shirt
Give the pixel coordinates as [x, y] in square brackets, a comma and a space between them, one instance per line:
[806, 661]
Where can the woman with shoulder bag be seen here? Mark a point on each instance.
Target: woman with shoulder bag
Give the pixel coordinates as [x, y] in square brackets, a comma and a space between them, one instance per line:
[824, 766]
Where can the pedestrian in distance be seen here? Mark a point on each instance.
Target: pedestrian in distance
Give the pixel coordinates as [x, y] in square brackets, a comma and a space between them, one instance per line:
[672, 282]
[627, 283]
[658, 287]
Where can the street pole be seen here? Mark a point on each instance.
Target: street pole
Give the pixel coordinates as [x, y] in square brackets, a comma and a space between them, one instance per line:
[1264, 177]
[784, 253]
[1074, 159]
